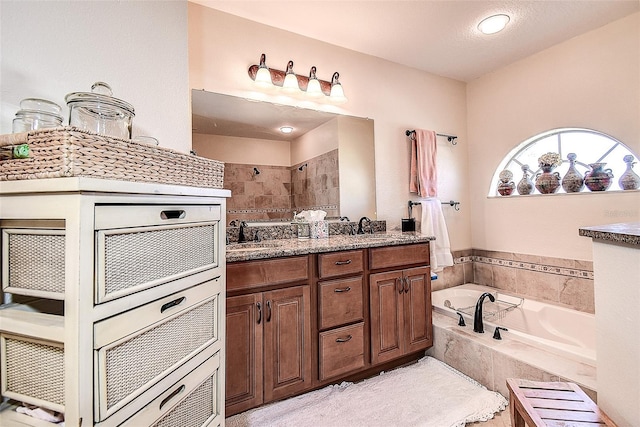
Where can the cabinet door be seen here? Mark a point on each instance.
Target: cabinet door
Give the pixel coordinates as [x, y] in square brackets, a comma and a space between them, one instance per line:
[287, 342]
[417, 309]
[386, 300]
[245, 316]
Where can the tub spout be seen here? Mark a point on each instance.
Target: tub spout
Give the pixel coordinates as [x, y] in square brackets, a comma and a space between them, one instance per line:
[478, 325]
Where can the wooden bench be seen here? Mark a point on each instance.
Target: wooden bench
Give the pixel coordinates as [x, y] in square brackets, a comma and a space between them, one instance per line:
[552, 404]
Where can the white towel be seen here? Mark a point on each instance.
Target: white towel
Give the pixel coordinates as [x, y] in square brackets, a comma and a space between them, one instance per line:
[433, 225]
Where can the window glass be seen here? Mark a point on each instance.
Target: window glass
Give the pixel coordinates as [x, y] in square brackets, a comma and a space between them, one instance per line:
[589, 146]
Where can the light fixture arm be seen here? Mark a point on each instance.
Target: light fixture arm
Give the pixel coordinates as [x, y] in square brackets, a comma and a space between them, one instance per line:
[277, 77]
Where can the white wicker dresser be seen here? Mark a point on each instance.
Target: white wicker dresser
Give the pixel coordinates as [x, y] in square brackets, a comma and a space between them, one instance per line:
[114, 302]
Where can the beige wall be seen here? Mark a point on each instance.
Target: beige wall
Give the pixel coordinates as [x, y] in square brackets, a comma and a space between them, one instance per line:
[591, 81]
[317, 141]
[52, 48]
[222, 47]
[246, 151]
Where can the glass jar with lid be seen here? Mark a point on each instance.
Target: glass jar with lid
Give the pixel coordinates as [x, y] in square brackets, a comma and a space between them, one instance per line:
[36, 113]
[98, 111]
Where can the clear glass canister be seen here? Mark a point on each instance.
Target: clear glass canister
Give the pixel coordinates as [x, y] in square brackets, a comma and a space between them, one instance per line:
[37, 113]
[100, 112]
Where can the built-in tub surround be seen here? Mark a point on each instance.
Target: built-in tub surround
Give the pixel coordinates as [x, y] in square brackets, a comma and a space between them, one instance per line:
[560, 330]
[491, 362]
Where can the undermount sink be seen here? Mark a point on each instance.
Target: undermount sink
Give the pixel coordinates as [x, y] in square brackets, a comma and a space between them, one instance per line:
[248, 247]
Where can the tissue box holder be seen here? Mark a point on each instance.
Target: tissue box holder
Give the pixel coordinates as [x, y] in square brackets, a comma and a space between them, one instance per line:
[318, 229]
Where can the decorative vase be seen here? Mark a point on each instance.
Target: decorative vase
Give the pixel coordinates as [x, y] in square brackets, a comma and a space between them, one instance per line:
[629, 180]
[572, 182]
[598, 179]
[547, 182]
[525, 186]
[506, 186]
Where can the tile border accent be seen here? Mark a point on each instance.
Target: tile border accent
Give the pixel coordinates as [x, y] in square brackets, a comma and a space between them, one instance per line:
[543, 268]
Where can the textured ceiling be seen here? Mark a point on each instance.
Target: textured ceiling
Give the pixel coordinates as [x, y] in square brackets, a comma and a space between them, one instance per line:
[440, 37]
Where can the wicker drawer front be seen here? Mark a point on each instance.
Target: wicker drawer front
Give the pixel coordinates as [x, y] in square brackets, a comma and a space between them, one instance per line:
[133, 259]
[33, 371]
[192, 401]
[33, 262]
[340, 302]
[340, 263]
[341, 350]
[128, 366]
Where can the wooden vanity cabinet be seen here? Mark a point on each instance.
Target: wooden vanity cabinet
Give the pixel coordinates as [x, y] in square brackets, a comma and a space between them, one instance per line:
[269, 353]
[341, 338]
[400, 302]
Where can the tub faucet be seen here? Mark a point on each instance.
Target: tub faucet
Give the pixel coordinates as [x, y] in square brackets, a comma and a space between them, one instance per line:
[478, 326]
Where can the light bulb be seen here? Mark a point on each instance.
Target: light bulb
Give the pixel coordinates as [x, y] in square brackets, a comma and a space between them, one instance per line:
[493, 24]
[313, 87]
[290, 83]
[263, 76]
[337, 93]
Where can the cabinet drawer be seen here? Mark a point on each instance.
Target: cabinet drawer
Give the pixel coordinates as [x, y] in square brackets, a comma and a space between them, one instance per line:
[341, 350]
[247, 275]
[340, 302]
[126, 367]
[340, 263]
[33, 262]
[33, 371]
[192, 401]
[396, 256]
[148, 253]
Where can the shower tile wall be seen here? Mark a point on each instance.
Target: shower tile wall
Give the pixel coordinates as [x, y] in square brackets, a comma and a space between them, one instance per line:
[277, 191]
[317, 185]
[556, 280]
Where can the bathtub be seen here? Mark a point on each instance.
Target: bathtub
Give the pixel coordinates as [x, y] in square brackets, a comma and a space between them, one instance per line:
[562, 331]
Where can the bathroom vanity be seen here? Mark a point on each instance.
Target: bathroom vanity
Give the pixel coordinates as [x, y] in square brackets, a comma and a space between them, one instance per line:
[302, 314]
[114, 302]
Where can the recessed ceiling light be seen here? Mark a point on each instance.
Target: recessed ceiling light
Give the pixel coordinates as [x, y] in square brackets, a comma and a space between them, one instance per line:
[493, 24]
[286, 129]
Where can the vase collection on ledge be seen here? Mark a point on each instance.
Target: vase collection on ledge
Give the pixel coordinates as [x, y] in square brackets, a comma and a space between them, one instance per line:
[548, 182]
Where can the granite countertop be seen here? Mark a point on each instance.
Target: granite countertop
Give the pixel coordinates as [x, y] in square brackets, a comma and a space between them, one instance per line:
[628, 232]
[290, 247]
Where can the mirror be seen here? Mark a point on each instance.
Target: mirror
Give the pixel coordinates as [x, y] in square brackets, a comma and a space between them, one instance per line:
[326, 162]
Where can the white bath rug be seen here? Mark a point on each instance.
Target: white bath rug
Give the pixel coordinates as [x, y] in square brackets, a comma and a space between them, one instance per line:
[426, 394]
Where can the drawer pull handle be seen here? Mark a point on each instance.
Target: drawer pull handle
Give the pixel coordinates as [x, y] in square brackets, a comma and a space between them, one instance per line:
[347, 262]
[172, 395]
[347, 289]
[268, 311]
[348, 338]
[259, 307]
[173, 214]
[172, 304]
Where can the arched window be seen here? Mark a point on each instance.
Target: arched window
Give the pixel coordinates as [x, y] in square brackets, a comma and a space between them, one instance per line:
[589, 146]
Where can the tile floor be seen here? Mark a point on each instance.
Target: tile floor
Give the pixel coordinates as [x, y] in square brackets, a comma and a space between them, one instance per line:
[501, 419]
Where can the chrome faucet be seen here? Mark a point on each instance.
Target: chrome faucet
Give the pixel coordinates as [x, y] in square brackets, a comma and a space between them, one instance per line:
[241, 236]
[478, 325]
[360, 227]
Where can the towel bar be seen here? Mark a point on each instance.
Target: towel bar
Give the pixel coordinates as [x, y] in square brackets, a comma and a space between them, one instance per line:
[456, 205]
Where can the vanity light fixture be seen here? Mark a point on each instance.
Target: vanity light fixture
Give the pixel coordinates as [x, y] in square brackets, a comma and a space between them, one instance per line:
[294, 84]
[286, 129]
[494, 24]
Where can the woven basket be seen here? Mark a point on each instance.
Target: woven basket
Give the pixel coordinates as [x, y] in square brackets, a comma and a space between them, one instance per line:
[70, 152]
